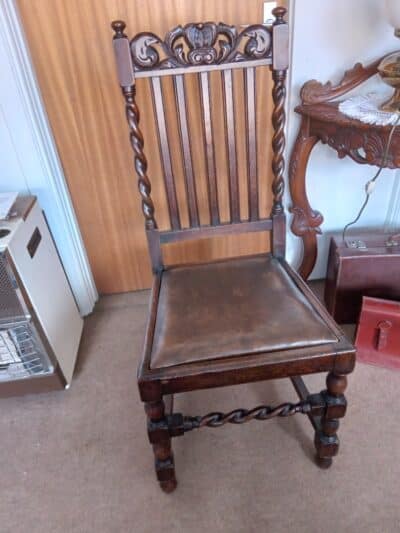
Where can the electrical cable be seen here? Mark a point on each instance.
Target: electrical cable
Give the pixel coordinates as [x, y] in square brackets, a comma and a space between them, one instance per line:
[370, 185]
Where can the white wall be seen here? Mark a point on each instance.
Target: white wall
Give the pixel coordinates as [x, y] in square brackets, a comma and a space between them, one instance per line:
[329, 37]
[29, 161]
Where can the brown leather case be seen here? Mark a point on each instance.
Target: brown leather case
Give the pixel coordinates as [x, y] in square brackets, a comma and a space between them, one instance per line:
[378, 333]
[356, 272]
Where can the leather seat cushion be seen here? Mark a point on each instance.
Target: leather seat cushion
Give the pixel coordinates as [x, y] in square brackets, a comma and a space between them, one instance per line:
[232, 307]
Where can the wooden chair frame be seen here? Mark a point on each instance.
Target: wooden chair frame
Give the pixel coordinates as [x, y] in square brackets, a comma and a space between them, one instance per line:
[255, 46]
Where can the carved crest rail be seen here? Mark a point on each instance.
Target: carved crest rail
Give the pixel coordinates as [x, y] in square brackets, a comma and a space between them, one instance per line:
[200, 44]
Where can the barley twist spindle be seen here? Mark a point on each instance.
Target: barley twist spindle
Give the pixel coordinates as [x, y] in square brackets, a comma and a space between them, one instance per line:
[137, 143]
[241, 416]
[278, 141]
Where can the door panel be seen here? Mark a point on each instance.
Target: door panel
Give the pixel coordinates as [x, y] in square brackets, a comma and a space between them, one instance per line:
[70, 42]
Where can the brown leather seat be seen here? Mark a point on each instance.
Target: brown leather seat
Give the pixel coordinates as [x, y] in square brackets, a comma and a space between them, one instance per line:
[230, 308]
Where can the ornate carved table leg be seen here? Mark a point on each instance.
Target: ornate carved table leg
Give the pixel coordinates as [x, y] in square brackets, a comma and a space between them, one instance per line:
[306, 221]
[326, 440]
[161, 440]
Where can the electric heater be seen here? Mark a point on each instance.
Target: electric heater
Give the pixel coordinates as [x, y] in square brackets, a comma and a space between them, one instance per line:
[40, 325]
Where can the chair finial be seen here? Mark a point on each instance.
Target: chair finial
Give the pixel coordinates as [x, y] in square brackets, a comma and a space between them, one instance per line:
[118, 26]
[279, 13]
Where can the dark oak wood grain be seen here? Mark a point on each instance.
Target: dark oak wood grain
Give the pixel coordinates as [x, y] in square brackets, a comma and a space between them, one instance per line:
[231, 146]
[221, 229]
[208, 324]
[209, 147]
[180, 95]
[165, 153]
[252, 176]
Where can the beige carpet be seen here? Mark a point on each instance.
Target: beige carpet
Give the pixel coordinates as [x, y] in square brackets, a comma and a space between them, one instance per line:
[78, 461]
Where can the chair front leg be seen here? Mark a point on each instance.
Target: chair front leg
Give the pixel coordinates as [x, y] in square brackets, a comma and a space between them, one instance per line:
[161, 441]
[326, 439]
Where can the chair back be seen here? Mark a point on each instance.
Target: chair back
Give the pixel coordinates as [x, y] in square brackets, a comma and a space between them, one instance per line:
[200, 49]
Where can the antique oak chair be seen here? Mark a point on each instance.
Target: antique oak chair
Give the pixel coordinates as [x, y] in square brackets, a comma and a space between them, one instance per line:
[235, 320]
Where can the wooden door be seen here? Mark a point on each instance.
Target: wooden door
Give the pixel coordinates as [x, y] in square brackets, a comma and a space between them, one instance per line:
[70, 42]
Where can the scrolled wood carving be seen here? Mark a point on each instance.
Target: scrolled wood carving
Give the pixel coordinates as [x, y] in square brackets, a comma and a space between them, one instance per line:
[200, 44]
[305, 219]
[363, 146]
[315, 92]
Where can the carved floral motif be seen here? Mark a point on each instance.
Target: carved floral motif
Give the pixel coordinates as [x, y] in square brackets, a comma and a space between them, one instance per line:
[200, 44]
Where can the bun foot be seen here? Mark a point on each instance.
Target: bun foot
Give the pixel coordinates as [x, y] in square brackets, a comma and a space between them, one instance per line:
[168, 486]
[323, 462]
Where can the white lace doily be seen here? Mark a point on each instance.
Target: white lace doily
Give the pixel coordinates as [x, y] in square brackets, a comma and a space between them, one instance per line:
[367, 109]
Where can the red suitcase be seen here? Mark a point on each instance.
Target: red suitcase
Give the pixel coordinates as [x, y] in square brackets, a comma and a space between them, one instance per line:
[378, 333]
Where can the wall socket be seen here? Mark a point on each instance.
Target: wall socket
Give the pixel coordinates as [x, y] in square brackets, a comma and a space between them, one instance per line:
[268, 17]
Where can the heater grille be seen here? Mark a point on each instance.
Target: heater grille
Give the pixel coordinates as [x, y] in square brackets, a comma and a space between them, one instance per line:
[21, 352]
[10, 306]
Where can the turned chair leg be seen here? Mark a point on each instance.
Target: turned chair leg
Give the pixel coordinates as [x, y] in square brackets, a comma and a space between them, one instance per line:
[161, 442]
[326, 439]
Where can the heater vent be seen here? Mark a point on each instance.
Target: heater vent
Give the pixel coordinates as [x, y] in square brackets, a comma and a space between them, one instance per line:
[10, 306]
[21, 353]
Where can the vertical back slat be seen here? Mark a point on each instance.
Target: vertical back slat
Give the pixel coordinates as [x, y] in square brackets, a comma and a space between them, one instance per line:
[209, 147]
[180, 95]
[252, 174]
[234, 201]
[158, 101]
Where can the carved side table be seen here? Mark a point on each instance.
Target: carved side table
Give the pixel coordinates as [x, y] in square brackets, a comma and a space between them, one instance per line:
[323, 122]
